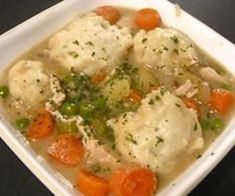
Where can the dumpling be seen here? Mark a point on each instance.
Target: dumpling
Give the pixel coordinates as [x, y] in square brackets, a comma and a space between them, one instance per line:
[89, 44]
[163, 48]
[28, 82]
[161, 130]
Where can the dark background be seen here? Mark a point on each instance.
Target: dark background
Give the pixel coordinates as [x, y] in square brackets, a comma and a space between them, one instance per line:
[16, 179]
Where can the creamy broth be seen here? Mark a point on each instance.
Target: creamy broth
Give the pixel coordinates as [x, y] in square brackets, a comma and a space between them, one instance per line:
[16, 110]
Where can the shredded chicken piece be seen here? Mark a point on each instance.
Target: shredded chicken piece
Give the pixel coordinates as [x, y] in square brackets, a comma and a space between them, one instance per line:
[210, 75]
[58, 94]
[56, 100]
[187, 89]
[97, 153]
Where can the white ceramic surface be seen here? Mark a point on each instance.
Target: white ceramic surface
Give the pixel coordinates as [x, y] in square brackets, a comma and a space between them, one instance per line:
[21, 38]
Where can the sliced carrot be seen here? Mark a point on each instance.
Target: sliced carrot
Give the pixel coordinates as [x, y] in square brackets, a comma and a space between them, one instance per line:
[134, 96]
[42, 127]
[190, 103]
[109, 13]
[147, 19]
[221, 100]
[133, 182]
[91, 185]
[99, 77]
[67, 149]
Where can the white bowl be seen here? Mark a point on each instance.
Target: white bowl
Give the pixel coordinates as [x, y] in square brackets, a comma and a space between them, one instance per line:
[18, 40]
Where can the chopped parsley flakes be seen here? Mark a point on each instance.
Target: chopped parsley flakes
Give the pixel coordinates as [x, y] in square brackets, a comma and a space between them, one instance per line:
[144, 40]
[151, 102]
[176, 51]
[175, 39]
[159, 140]
[199, 156]
[177, 105]
[90, 43]
[165, 48]
[96, 168]
[76, 42]
[73, 54]
[130, 138]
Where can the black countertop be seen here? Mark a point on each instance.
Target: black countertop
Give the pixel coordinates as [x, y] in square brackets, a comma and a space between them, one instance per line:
[16, 179]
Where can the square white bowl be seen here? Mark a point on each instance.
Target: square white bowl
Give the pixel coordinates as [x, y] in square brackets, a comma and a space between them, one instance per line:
[23, 37]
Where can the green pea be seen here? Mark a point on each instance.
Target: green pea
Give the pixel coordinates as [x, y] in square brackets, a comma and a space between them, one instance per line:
[86, 109]
[22, 123]
[70, 80]
[4, 91]
[212, 124]
[70, 127]
[103, 132]
[100, 102]
[99, 126]
[69, 109]
[217, 124]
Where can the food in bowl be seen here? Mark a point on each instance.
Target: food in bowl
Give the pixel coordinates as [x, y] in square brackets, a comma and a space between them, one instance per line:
[118, 101]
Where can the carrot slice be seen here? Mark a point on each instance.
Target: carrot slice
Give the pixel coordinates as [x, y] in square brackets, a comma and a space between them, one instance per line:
[133, 182]
[109, 13]
[190, 103]
[42, 127]
[134, 96]
[67, 149]
[147, 19]
[91, 185]
[99, 77]
[221, 100]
